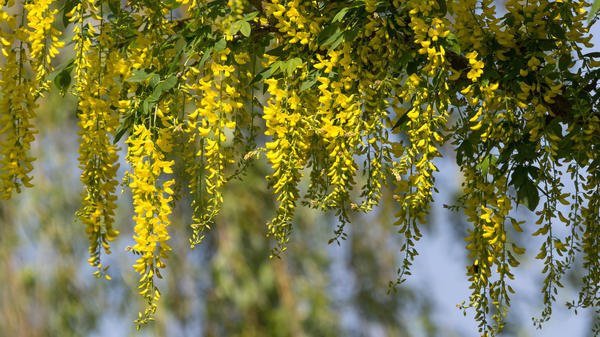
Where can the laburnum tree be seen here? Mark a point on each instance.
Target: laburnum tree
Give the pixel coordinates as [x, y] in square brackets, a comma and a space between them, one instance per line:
[354, 97]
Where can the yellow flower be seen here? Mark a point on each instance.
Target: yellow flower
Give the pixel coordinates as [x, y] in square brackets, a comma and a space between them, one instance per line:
[533, 63]
[476, 66]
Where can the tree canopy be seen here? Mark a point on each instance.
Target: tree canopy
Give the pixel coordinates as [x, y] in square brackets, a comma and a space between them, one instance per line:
[353, 97]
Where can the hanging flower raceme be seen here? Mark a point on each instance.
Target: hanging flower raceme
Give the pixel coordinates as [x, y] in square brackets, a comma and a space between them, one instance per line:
[286, 152]
[96, 71]
[340, 128]
[487, 206]
[368, 69]
[151, 202]
[208, 127]
[43, 39]
[17, 108]
[98, 160]
[426, 120]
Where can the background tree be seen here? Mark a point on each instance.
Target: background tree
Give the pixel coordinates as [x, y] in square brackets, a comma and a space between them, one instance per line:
[355, 96]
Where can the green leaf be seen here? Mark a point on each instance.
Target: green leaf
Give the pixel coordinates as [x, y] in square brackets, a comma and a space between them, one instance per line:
[348, 35]
[592, 54]
[67, 65]
[527, 192]
[528, 195]
[525, 152]
[564, 62]
[268, 72]
[63, 80]
[235, 27]
[442, 7]
[245, 28]
[147, 105]
[452, 44]
[250, 16]
[335, 39]
[279, 51]
[179, 46]
[412, 66]
[465, 149]
[506, 153]
[484, 165]
[161, 87]
[169, 83]
[124, 127]
[340, 15]
[139, 75]
[330, 34]
[557, 30]
[533, 172]
[220, 45]
[546, 44]
[401, 121]
[519, 176]
[310, 81]
[205, 57]
[153, 79]
[307, 84]
[292, 64]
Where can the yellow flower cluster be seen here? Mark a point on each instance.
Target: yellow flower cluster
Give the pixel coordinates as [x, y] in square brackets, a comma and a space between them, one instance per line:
[483, 99]
[151, 203]
[368, 75]
[468, 29]
[292, 20]
[341, 127]
[83, 33]
[488, 206]
[425, 121]
[476, 66]
[17, 109]
[43, 38]
[97, 92]
[486, 242]
[285, 120]
[427, 36]
[209, 126]
[190, 3]
[535, 98]
[98, 157]
[426, 116]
